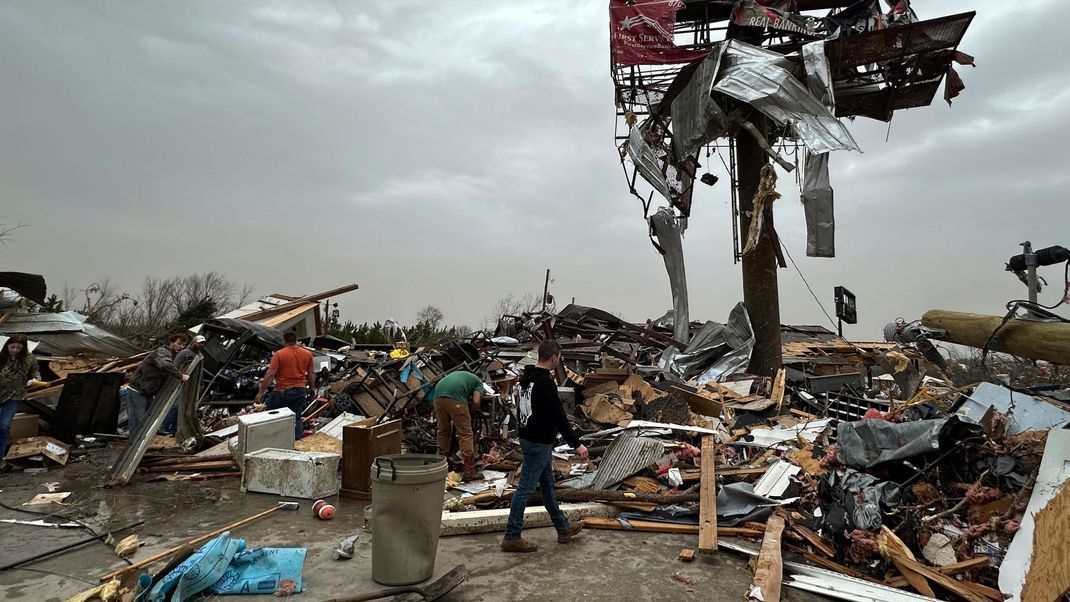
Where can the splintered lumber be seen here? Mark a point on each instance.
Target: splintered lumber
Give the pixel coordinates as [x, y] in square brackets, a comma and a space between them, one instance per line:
[649, 526]
[814, 539]
[895, 550]
[707, 510]
[1035, 340]
[951, 585]
[778, 388]
[769, 568]
[950, 569]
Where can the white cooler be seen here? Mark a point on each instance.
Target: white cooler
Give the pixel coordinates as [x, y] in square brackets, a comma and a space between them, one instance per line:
[308, 475]
[271, 429]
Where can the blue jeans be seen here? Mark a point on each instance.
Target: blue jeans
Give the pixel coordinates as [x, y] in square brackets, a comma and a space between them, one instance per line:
[295, 399]
[8, 409]
[137, 405]
[536, 470]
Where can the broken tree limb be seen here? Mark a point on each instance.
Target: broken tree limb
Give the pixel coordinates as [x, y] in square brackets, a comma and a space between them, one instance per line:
[707, 510]
[769, 568]
[1025, 338]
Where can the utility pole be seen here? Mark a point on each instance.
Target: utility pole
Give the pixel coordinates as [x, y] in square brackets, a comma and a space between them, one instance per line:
[761, 294]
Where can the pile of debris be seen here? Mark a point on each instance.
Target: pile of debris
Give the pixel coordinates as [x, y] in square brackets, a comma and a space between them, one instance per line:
[859, 466]
[866, 465]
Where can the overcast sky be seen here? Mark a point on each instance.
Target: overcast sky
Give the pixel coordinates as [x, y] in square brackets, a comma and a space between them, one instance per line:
[449, 152]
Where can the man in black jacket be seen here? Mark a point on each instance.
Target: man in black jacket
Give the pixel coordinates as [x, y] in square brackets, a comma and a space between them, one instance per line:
[541, 419]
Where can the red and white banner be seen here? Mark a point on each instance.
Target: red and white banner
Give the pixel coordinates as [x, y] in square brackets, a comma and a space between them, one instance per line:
[640, 33]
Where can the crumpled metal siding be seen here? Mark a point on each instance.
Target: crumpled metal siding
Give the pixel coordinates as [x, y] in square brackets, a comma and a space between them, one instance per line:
[646, 162]
[717, 350]
[763, 79]
[817, 195]
[696, 118]
[625, 456]
[668, 230]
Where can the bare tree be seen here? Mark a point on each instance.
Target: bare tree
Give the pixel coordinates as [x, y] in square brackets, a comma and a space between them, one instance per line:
[431, 315]
[101, 301]
[510, 305]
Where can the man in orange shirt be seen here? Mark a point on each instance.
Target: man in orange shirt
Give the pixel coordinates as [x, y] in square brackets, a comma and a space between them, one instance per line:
[290, 368]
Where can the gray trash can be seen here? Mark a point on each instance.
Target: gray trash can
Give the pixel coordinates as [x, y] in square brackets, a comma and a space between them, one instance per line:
[407, 501]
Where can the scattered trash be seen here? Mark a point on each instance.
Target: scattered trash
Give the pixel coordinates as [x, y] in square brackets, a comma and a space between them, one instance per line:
[344, 551]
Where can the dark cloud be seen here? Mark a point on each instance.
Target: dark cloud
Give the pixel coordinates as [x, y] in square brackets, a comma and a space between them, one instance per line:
[448, 153]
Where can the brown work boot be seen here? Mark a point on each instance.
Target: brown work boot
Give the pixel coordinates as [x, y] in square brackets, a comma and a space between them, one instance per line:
[572, 531]
[470, 472]
[518, 545]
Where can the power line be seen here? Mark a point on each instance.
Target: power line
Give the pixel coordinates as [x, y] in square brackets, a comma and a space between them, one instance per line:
[814, 295]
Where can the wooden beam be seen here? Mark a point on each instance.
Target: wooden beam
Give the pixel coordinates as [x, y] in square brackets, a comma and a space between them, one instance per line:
[769, 568]
[707, 509]
[687, 555]
[264, 313]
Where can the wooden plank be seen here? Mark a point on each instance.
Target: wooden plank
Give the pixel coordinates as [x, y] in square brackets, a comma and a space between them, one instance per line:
[815, 540]
[951, 569]
[707, 509]
[687, 555]
[895, 550]
[699, 404]
[991, 593]
[769, 569]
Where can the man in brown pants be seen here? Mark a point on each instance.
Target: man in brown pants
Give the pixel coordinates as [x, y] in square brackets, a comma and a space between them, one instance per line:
[455, 395]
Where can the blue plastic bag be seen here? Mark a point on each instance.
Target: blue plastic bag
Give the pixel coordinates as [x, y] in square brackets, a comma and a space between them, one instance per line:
[197, 573]
[261, 570]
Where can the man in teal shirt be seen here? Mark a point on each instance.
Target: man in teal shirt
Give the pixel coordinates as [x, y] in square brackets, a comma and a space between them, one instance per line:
[456, 395]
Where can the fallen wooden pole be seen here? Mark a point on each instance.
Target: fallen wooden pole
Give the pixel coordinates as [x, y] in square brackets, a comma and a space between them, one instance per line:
[192, 542]
[1035, 340]
[769, 568]
[648, 526]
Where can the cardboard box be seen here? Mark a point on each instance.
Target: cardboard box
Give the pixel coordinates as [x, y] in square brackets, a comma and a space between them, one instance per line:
[45, 447]
[24, 425]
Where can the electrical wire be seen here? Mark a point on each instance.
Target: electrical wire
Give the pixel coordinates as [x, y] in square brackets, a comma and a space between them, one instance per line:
[803, 278]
